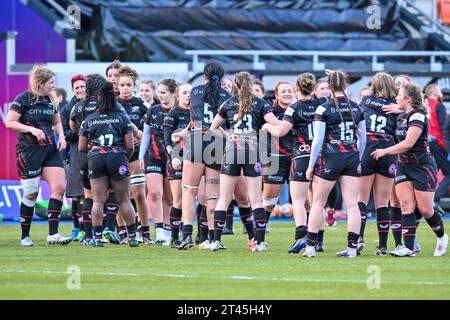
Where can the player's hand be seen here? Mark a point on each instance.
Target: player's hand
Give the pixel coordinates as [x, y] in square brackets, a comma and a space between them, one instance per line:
[310, 174]
[328, 72]
[176, 164]
[265, 127]
[141, 164]
[136, 141]
[38, 133]
[177, 136]
[378, 153]
[391, 108]
[61, 143]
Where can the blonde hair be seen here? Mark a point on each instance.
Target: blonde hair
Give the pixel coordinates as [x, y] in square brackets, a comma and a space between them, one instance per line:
[244, 83]
[383, 86]
[413, 91]
[39, 75]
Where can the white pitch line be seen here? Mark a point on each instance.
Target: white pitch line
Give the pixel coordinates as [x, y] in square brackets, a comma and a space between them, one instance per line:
[228, 277]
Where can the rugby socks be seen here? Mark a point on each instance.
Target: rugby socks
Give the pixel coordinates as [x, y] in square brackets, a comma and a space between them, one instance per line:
[418, 216]
[98, 233]
[300, 232]
[435, 223]
[246, 216]
[268, 213]
[54, 210]
[203, 226]
[131, 229]
[87, 221]
[187, 231]
[145, 231]
[409, 229]
[76, 213]
[396, 225]
[320, 236]
[352, 240]
[220, 217]
[363, 209]
[260, 224]
[211, 234]
[383, 226]
[122, 230]
[230, 216]
[311, 239]
[111, 209]
[175, 221]
[26, 216]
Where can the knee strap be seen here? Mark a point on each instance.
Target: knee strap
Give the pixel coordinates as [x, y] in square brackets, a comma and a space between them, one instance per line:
[30, 187]
[136, 179]
[270, 202]
[186, 186]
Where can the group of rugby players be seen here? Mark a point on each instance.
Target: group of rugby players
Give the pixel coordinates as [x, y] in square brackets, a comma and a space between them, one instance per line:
[221, 142]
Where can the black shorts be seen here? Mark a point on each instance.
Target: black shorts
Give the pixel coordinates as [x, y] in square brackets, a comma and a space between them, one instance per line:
[84, 169]
[298, 169]
[173, 174]
[333, 165]
[422, 176]
[249, 170]
[112, 165]
[156, 166]
[280, 174]
[204, 149]
[385, 166]
[30, 159]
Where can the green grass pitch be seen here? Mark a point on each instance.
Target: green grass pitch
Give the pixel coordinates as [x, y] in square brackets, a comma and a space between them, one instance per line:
[120, 272]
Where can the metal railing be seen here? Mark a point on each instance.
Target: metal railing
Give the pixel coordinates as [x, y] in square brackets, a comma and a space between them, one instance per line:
[197, 66]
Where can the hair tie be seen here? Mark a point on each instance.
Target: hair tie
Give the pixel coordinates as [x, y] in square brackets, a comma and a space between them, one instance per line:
[215, 77]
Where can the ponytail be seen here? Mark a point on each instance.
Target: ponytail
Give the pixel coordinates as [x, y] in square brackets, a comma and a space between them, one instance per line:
[244, 85]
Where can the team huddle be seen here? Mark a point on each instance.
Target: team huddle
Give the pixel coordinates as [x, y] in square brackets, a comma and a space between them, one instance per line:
[192, 151]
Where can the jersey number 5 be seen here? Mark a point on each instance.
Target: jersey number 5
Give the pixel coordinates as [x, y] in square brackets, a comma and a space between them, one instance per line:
[208, 114]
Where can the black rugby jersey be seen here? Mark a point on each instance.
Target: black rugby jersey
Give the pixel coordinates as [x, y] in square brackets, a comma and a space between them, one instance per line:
[379, 125]
[420, 152]
[136, 109]
[283, 144]
[37, 113]
[105, 132]
[176, 120]
[155, 119]
[202, 114]
[245, 131]
[340, 136]
[301, 114]
[82, 110]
